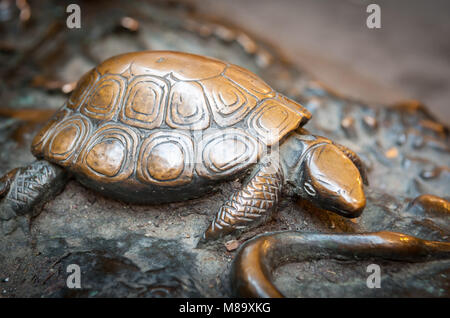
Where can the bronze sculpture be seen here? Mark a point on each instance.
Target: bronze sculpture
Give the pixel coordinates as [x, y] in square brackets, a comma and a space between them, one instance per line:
[79, 226]
[161, 126]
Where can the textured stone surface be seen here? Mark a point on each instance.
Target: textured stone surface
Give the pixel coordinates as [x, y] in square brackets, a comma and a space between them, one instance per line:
[130, 250]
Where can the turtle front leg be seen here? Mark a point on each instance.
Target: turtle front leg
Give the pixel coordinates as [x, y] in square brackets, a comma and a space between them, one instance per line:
[24, 190]
[252, 205]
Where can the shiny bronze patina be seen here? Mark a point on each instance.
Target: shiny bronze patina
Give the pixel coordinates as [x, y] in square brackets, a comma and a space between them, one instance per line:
[161, 126]
[404, 148]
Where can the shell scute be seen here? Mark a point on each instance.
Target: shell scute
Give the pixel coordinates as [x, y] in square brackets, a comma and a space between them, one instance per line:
[272, 120]
[226, 152]
[187, 108]
[229, 103]
[166, 158]
[66, 138]
[39, 141]
[296, 108]
[145, 102]
[249, 81]
[82, 89]
[105, 97]
[183, 66]
[109, 155]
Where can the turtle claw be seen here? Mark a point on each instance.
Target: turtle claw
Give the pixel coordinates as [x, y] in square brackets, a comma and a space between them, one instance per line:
[214, 232]
[210, 236]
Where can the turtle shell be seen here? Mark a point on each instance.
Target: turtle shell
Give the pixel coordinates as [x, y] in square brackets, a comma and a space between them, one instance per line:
[166, 118]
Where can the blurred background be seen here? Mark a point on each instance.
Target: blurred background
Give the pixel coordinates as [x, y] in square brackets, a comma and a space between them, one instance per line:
[409, 57]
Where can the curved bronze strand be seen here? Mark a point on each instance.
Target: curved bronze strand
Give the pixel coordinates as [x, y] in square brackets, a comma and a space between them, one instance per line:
[251, 273]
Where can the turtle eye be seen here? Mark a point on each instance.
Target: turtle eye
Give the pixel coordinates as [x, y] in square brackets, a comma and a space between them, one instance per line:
[309, 189]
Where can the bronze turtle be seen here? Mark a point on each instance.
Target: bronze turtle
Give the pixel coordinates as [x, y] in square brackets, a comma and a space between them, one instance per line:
[161, 126]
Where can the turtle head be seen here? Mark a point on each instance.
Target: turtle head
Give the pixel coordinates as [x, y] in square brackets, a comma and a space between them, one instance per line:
[330, 180]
